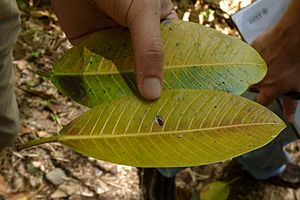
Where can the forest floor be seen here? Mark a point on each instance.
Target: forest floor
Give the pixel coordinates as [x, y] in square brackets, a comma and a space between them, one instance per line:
[52, 171]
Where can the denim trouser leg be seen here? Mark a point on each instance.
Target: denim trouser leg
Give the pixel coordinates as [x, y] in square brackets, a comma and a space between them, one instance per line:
[269, 160]
[170, 171]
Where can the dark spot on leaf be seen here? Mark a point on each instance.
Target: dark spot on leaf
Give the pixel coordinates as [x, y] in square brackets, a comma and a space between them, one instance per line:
[177, 44]
[215, 106]
[159, 120]
[73, 87]
[170, 29]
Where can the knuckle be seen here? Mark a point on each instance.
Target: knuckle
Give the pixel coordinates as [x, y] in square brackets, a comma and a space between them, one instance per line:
[154, 51]
[154, 58]
[151, 60]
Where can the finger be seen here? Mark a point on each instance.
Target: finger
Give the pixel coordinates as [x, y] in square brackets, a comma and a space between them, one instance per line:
[289, 108]
[258, 43]
[171, 15]
[167, 10]
[148, 49]
[266, 95]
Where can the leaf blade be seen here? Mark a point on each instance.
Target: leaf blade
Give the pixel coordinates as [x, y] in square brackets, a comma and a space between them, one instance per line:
[101, 67]
[127, 133]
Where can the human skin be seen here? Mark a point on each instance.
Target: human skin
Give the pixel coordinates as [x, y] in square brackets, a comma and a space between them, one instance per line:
[280, 49]
[79, 18]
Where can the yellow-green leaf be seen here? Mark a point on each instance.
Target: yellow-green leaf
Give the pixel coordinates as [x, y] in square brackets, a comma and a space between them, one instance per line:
[100, 68]
[182, 128]
[215, 191]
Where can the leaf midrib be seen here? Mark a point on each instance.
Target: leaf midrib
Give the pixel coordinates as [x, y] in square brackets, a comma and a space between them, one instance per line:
[78, 137]
[167, 68]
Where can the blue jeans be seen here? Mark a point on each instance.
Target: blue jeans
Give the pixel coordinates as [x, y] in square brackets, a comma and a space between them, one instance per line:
[265, 162]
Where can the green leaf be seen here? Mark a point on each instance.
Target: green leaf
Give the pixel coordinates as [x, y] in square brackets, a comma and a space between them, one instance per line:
[215, 191]
[182, 128]
[100, 68]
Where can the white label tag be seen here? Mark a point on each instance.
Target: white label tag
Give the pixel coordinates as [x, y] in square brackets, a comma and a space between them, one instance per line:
[259, 17]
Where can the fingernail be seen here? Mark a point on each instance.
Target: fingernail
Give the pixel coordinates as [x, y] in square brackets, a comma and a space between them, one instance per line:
[151, 88]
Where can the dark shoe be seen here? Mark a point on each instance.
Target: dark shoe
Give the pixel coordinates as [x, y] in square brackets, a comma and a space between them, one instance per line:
[155, 186]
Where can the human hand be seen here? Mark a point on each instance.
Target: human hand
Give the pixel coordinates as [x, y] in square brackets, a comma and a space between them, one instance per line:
[79, 18]
[280, 49]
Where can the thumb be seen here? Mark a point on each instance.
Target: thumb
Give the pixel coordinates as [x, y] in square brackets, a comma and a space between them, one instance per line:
[148, 49]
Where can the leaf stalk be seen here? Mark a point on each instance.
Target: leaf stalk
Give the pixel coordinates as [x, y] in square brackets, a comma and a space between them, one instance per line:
[43, 73]
[36, 142]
